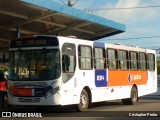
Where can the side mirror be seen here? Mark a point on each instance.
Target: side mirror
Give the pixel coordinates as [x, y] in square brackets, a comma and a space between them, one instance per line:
[65, 62]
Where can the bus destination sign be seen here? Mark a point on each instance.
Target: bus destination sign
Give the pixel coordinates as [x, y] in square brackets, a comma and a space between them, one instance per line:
[33, 43]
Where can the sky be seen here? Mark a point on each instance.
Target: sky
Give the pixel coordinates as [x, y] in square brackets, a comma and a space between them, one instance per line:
[143, 23]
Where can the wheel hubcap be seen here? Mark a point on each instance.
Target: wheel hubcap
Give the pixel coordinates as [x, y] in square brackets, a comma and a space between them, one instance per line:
[83, 101]
[134, 97]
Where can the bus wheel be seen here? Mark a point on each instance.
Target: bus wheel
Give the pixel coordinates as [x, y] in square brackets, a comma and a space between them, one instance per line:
[84, 101]
[133, 99]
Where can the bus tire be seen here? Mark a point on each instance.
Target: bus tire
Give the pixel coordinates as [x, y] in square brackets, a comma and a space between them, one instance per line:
[84, 101]
[133, 99]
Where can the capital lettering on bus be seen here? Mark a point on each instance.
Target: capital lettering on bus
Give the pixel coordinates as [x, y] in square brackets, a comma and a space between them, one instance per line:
[134, 77]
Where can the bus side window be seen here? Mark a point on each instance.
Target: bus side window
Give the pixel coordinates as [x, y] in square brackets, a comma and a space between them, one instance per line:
[134, 60]
[123, 59]
[151, 62]
[112, 59]
[142, 61]
[99, 58]
[68, 61]
[85, 58]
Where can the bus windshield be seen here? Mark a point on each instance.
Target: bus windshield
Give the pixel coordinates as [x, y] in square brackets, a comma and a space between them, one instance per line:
[43, 64]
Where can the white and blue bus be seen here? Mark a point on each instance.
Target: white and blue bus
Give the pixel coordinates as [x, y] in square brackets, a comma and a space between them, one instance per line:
[59, 71]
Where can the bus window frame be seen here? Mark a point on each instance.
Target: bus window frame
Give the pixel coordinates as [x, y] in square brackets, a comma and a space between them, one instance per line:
[149, 62]
[104, 58]
[127, 60]
[79, 57]
[137, 60]
[116, 59]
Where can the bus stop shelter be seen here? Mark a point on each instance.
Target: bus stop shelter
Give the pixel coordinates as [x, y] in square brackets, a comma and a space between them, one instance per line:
[48, 17]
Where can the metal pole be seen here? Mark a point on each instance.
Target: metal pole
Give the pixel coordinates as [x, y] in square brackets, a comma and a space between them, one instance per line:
[17, 31]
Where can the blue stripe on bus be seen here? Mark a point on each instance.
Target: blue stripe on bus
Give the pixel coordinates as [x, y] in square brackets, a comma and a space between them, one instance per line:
[39, 92]
[98, 44]
[100, 75]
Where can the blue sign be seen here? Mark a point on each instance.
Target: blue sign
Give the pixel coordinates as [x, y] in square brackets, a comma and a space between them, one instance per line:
[100, 78]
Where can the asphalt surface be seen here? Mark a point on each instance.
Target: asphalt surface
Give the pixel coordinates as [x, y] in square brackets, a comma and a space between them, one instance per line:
[147, 107]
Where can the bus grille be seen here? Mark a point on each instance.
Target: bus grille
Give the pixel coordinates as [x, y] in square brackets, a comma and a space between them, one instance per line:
[29, 99]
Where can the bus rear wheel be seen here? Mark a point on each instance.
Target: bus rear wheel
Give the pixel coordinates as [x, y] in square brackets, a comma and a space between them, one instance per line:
[84, 101]
[133, 99]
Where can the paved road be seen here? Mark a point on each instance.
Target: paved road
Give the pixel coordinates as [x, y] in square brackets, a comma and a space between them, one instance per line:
[147, 106]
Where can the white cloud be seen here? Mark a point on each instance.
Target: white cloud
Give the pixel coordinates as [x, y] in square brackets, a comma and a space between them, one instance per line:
[128, 15]
[139, 22]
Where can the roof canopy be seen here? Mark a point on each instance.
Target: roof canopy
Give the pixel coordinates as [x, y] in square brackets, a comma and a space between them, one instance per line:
[51, 18]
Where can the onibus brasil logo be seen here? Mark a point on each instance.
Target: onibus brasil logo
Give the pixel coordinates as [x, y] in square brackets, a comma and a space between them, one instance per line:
[15, 114]
[133, 77]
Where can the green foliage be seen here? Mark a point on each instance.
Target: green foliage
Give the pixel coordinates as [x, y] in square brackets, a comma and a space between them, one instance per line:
[158, 67]
[3, 68]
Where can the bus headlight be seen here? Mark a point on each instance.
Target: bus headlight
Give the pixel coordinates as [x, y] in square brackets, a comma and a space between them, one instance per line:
[55, 90]
[52, 91]
[49, 93]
